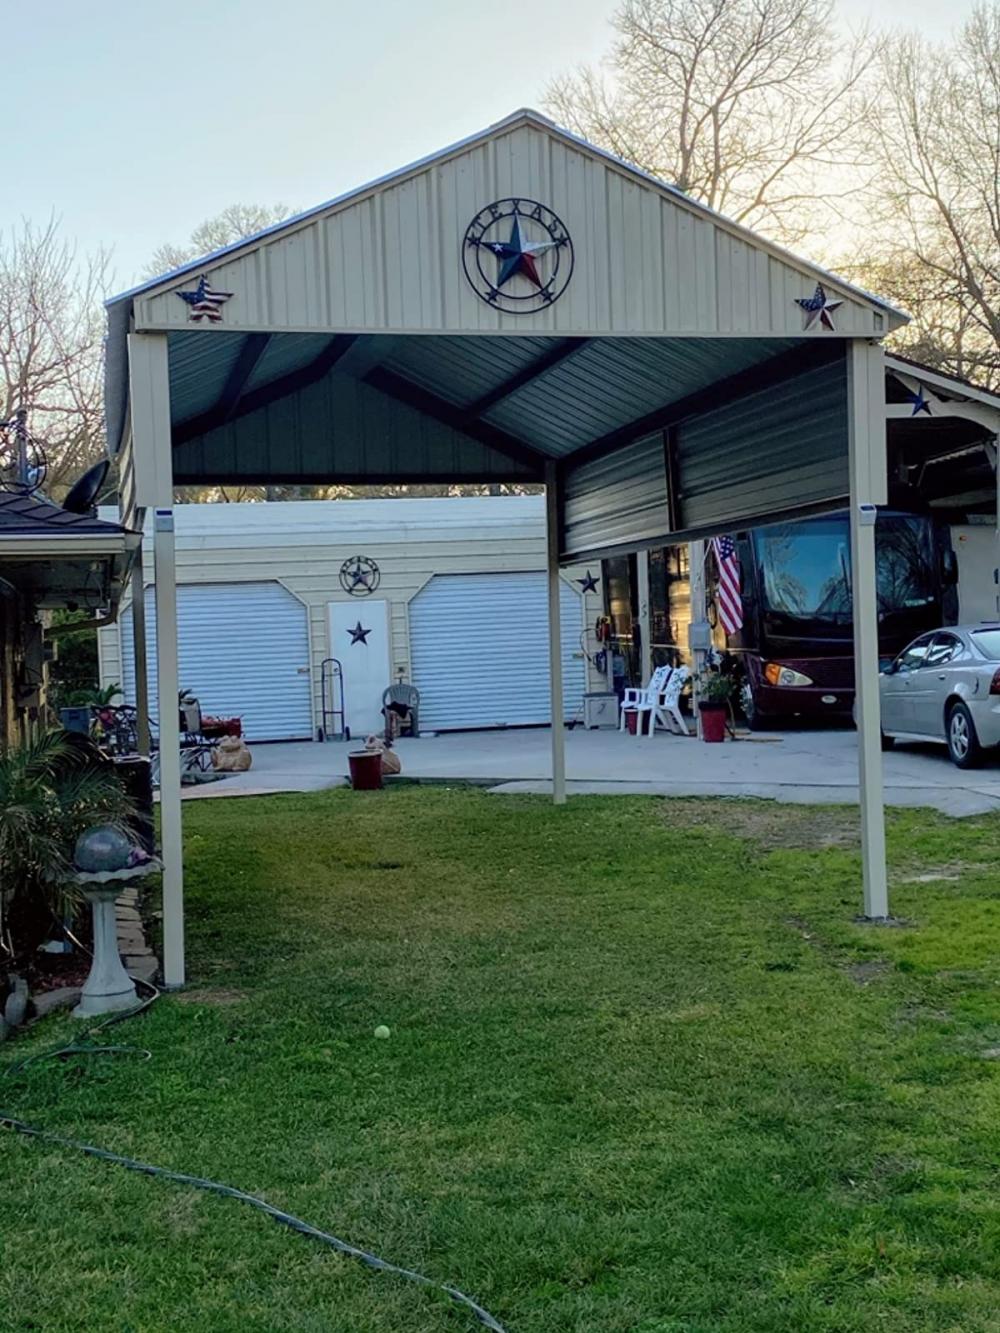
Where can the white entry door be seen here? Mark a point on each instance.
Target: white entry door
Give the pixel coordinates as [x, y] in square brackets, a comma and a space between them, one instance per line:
[359, 640]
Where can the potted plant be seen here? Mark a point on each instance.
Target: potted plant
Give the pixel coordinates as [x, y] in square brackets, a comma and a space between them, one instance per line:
[714, 692]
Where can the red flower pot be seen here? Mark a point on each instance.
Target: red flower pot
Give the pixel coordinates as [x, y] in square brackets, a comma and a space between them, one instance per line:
[366, 769]
[713, 721]
[632, 723]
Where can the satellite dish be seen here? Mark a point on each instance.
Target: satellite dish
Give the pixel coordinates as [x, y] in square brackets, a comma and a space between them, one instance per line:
[83, 494]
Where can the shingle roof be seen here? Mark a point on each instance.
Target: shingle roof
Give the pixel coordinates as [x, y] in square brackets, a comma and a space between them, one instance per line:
[28, 515]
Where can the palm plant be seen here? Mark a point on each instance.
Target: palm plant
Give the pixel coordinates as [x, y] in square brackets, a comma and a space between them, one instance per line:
[50, 792]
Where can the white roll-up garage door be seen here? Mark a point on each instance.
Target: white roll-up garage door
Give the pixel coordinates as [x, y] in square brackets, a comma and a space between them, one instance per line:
[244, 652]
[479, 650]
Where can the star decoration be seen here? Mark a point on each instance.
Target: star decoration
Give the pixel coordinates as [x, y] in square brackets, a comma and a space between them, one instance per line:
[517, 256]
[359, 576]
[588, 583]
[205, 302]
[819, 308]
[920, 403]
[359, 635]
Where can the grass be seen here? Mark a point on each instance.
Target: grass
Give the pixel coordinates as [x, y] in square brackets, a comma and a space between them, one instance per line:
[646, 1074]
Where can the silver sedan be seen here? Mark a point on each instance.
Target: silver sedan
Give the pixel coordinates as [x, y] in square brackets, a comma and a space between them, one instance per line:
[946, 687]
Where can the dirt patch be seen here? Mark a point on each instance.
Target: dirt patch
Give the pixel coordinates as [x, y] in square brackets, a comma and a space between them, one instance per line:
[953, 871]
[873, 969]
[771, 826]
[205, 996]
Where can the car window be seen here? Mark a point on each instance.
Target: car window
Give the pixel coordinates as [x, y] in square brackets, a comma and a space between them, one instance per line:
[914, 656]
[942, 650]
[988, 643]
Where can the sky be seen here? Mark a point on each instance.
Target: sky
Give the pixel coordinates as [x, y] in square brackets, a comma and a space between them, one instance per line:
[132, 122]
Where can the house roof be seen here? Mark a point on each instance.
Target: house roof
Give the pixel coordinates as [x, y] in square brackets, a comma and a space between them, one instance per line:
[32, 515]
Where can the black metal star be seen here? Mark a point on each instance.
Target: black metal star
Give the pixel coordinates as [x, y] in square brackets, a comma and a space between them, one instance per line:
[359, 635]
[588, 583]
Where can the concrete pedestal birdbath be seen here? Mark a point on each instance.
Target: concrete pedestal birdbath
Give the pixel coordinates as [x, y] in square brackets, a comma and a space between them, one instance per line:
[109, 987]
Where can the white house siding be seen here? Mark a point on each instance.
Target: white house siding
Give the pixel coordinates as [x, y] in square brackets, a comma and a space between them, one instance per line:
[303, 545]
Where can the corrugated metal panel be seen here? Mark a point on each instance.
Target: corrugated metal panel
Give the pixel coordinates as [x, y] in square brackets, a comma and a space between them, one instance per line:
[242, 648]
[462, 370]
[647, 260]
[778, 451]
[605, 383]
[339, 429]
[782, 448]
[617, 380]
[478, 650]
[199, 368]
[619, 500]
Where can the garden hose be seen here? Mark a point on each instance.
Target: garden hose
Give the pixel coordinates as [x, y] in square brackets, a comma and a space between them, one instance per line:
[81, 1047]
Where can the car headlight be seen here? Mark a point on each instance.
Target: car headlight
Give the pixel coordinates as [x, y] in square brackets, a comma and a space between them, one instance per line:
[776, 674]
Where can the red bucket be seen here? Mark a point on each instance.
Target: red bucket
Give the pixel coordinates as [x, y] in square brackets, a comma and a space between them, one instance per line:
[632, 723]
[713, 722]
[366, 769]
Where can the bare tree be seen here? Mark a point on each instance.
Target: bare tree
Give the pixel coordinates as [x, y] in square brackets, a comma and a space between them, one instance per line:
[233, 224]
[748, 105]
[51, 332]
[935, 205]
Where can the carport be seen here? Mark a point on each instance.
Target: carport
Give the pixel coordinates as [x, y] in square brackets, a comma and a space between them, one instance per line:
[521, 306]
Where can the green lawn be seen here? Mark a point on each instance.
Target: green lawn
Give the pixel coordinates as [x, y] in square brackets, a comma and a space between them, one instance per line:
[645, 1074]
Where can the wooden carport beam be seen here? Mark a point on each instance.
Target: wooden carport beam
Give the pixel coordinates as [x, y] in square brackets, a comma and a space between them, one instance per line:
[221, 414]
[555, 356]
[422, 400]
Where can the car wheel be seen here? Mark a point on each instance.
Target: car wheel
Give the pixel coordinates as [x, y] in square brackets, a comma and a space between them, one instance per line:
[964, 749]
[748, 705]
[887, 741]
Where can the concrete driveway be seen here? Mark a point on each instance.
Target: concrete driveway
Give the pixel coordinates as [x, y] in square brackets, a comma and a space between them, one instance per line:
[794, 766]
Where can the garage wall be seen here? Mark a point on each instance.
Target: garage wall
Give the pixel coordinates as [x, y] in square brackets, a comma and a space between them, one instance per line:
[303, 545]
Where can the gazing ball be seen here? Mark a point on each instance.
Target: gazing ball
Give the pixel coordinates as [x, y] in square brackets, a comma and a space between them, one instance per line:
[101, 848]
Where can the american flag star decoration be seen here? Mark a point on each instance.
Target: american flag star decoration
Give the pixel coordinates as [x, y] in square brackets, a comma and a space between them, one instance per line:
[206, 302]
[727, 594]
[819, 308]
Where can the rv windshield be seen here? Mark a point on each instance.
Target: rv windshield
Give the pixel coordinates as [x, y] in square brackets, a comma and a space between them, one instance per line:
[805, 573]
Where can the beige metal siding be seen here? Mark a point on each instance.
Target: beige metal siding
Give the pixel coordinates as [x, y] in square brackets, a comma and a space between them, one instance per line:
[390, 260]
[307, 562]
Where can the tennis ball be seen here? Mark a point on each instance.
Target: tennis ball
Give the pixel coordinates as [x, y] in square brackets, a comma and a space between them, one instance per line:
[382, 1032]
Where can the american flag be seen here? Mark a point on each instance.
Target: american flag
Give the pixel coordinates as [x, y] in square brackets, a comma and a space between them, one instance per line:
[205, 301]
[728, 592]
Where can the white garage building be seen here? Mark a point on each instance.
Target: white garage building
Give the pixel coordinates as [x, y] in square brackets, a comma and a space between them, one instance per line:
[459, 610]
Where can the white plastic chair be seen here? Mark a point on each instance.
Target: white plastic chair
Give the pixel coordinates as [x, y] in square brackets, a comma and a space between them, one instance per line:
[637, 700]
[666, 709]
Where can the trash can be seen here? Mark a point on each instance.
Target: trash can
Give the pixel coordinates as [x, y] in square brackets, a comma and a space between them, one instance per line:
[135, 773]
[366, 769]
[632, 722]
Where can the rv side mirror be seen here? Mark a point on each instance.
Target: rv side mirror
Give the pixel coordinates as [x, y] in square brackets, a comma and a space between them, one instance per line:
[949, 568]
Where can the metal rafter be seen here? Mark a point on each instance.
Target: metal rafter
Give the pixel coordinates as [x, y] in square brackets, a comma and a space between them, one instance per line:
[221, 414]
[397, 387]
[555, 356]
